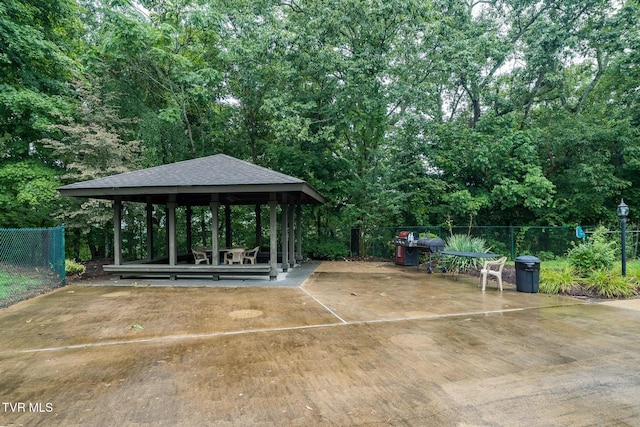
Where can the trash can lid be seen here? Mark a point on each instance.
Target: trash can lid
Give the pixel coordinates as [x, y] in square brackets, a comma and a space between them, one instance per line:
[527, 259]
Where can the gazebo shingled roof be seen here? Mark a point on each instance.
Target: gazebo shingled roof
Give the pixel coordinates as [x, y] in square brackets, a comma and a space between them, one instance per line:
[193, 182]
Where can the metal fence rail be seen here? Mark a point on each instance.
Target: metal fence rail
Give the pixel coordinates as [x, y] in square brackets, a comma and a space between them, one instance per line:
[31, 262]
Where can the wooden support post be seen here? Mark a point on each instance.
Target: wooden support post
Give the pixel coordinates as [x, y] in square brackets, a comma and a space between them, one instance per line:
[284, 240]
[227, 225]
[215, 233]
[117, 232]
[291, 246]
[258, 213]
[171, 231]
[149, 231]
[299, 233]
[189, 215]
[273, 239]
[166, 232]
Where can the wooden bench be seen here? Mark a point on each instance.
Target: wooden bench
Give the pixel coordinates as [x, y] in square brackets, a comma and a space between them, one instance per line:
[172, 271]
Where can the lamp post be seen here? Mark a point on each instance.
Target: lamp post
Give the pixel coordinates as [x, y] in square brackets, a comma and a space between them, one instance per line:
[623, 212]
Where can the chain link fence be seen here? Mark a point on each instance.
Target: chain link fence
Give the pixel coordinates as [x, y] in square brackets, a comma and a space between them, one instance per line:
[546, 243]
[31, 262]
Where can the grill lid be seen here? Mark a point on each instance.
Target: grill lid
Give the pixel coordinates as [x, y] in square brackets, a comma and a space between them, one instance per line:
[435, 244]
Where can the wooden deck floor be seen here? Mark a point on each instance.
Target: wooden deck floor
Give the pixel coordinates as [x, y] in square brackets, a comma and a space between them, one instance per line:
[174, 271]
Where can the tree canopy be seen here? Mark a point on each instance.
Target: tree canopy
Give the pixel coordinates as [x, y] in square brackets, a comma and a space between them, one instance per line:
[400, 112]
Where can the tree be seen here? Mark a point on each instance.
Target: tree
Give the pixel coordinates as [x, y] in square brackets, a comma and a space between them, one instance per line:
[27, 191]
[36, 63]
[92, 144]
[398, 112]
[509, 55]
[164, 68]
[352, 79]
[492, 172]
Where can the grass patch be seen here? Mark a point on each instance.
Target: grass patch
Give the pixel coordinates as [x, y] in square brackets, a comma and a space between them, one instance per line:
[14, 279]
[556, 264]
[14, 283]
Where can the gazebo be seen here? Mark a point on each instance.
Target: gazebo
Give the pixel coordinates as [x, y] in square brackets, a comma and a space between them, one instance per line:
[213, 181]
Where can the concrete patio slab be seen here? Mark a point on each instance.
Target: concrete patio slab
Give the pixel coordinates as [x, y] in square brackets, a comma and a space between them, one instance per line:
[377, 291]
[356, 344]
[631, 304]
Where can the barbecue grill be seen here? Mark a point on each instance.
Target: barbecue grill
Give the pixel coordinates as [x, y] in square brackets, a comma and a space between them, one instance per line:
[408, 247]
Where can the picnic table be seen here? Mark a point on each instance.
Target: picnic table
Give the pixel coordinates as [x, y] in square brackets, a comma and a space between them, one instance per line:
[471, 254]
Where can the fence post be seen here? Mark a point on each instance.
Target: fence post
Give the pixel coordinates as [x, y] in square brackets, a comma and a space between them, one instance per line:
[62, 255]
[513, 242]
[355, 242]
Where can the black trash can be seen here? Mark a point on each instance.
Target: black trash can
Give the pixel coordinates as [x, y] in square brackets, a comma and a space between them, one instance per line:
[527, 273]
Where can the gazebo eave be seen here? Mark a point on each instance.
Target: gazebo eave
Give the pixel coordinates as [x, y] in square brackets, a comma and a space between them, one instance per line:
[202, 195]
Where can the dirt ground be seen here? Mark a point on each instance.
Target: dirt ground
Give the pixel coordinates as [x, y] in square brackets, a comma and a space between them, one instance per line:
[356, 344]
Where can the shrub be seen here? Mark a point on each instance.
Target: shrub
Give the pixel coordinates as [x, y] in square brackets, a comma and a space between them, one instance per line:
[71, 267]
[463, 243]
[596, 254]
[326, 250]
[611, 285]
[497, 246]
[554, 281]
[546, 256]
